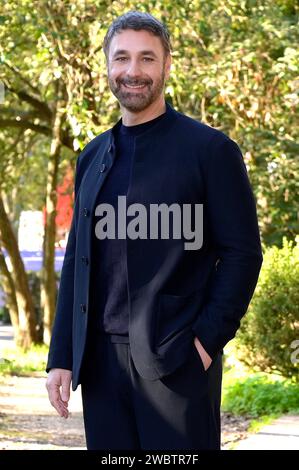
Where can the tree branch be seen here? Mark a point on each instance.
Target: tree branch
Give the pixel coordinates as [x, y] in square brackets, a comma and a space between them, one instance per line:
[24, 125]
[66, 139]
[43, 109]
[18, 73]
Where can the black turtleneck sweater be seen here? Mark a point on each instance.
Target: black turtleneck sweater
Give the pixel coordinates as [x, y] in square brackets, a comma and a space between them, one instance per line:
[108, 288]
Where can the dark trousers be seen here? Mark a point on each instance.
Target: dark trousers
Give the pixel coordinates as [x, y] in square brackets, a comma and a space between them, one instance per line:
[124, 411]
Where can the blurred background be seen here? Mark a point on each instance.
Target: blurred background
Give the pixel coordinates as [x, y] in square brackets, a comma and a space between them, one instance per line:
[236, 68]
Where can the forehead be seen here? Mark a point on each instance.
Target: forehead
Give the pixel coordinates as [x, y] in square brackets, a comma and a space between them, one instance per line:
[135, 41]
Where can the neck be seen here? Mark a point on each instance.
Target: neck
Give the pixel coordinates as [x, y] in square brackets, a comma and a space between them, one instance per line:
[154, 110]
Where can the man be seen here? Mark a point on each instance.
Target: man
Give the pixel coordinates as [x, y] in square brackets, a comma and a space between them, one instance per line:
[142, 316]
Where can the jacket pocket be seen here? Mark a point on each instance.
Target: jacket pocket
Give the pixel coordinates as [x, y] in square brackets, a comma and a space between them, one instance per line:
[175, 316]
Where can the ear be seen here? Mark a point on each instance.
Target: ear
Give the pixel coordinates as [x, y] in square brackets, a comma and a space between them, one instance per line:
[167, 66]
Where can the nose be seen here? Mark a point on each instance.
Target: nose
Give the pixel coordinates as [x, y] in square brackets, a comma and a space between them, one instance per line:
[133, 69]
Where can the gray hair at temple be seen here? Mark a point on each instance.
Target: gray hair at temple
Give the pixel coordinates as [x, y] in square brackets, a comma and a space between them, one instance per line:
[138, 21]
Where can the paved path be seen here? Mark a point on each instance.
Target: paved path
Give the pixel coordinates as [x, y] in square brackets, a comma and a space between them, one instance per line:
[281, 434]
[28, 421]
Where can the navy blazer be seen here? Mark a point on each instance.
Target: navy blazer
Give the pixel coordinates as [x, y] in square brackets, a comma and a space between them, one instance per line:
[174, 293]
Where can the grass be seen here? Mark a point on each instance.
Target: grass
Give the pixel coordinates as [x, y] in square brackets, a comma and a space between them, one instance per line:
[256, 424]
[259, 396]
[15, 361]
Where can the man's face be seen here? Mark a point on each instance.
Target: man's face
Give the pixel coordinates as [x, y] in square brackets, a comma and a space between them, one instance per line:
[137, 69]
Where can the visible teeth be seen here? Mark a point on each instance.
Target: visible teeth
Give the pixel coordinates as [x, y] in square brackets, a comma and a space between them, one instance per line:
[135, 86]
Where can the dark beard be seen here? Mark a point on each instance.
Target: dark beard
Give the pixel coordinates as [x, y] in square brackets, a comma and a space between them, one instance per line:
[136, 102]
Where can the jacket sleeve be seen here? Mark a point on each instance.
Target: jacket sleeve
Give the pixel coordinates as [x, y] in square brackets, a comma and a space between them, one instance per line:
[233, 231]
[60, 351]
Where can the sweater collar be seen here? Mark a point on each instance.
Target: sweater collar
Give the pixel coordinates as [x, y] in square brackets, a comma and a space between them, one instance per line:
[157, 130]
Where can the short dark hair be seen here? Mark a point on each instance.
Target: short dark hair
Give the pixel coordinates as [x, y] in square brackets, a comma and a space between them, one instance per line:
[138, 21]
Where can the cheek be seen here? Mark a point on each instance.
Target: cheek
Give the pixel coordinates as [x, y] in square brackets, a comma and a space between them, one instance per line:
[115, 72]
[112, 74]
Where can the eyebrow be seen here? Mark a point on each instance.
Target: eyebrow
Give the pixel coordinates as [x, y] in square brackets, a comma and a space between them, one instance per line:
[124, 51]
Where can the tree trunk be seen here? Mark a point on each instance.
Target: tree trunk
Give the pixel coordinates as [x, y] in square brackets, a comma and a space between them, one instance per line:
[48, 285]
[27, 319]
[8, 287]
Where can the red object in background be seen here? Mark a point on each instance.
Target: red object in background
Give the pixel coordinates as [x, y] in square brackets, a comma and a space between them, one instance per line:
[64, 205]
[65, 199]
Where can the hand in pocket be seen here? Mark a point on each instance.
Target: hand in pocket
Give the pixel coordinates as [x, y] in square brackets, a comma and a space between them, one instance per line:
[206, 359]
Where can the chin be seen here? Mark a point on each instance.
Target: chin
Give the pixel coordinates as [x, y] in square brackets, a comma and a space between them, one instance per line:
[134, 106]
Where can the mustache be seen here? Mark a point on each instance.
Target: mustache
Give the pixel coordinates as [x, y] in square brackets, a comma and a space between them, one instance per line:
[135, 82]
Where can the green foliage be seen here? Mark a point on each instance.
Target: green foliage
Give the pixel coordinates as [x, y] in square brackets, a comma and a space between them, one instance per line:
[258, 395]
[257, 424]
[15, 361]
[34, 285]
[34, 278]
[269, 330]
[4, 315]
[235, 67]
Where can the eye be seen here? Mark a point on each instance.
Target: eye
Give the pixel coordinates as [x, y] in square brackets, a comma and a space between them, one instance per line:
[148, 59]
[121, 59]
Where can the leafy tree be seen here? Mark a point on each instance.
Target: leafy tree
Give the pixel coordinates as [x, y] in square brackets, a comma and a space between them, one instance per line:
[235, 67]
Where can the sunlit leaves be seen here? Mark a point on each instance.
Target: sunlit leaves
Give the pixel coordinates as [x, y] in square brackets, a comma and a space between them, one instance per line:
[235, 67]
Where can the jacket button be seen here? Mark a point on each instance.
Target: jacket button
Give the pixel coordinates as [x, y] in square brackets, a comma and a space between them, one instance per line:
[83, 308]
[84, 260]
[85, 212]
[103, 167]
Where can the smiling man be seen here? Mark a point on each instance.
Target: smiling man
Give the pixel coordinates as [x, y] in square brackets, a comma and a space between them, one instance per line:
[138, 67]
[141, 320]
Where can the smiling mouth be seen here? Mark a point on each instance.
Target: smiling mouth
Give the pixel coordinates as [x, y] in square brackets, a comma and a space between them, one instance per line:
[134, 87]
